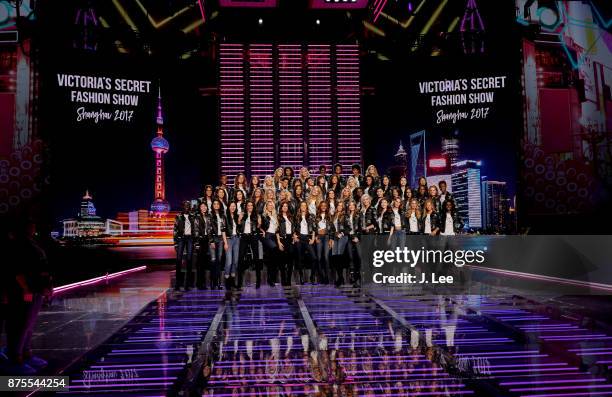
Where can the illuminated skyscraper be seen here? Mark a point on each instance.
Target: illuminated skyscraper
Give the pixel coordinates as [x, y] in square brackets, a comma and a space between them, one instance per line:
[400, 166]
[495, 205]
[472, 29]
[467, 190]
[450, 149]
[160, 146]
[418, 156]
[87, 206]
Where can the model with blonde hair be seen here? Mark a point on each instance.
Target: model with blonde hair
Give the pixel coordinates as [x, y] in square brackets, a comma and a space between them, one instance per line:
[340, 240]
[413, 217]
[269, 227]
[278, 174]
[304, 174]
[268, 183]
[314, 199]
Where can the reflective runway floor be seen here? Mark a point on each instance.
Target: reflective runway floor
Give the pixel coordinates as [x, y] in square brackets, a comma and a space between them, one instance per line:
[319, 340]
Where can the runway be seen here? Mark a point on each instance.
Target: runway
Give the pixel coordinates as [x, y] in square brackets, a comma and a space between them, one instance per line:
[323, 340]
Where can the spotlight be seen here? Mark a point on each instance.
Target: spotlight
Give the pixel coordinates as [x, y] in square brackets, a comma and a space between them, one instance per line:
[318, 21]
[260, 21]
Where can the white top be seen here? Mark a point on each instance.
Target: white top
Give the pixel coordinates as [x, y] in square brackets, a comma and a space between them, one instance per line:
[442, 198]
[350, 220]
[449, 227]
[428, 224]
[187, 231]
[273, 225]
[380, 219]
[322, 223]
[287, 225]
[312, 207]
[397, 220]
[218, 224]
[414, 223]
[304, 226]
[234, 226]
[247, 225]
[332, 207]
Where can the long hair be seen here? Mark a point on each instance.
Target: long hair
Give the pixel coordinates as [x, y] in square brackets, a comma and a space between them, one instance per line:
[239, 176]
[416, 210]
[340, 211]
[371, 170]
[253, 198]
[320, 210]
[272, 213]
[317, 197]
[380, 207]
[224, 198]
[215, 212]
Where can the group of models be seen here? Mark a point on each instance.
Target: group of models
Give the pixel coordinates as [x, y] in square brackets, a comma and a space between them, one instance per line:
[298, 224]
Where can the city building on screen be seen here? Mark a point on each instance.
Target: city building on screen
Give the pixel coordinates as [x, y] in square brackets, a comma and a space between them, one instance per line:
[495, 205]
[160, 146]
[88, 224]
[467, 190]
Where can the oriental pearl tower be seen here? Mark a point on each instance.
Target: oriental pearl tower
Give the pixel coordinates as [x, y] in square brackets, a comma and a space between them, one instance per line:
[160, 146]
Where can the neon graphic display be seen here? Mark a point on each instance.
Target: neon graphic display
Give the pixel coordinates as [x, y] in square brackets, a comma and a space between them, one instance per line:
[232, 109]
[288, 105]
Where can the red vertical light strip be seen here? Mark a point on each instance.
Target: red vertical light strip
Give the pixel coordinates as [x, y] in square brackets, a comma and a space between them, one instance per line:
[261, 109]
[319, 105]
[232, 109]
[291, 105]
[348, 105]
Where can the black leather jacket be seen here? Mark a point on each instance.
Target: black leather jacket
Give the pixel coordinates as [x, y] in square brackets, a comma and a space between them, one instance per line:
[298, 221]
[386, 223]
[367, 219]
[282, 224]
[215, 225]
[434, 219]
[356, 224]
[419, 222]
[179, 226]
[403, 219]
[265, 223]
[447, 196]
[457, 221]
[203, 226]
[330, 230]
[228, 219]
[253, 219]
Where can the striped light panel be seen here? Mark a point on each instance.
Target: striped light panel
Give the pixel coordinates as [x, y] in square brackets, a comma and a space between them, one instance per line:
[348, 111]
[232, 108]
[261, 98]
[289, 105]
[319, 105]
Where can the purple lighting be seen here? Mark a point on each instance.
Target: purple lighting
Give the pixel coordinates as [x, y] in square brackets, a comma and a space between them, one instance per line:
[96, 280]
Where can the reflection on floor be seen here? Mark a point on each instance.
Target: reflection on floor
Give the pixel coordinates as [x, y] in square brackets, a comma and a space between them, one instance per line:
[327, 341]
[79, 320]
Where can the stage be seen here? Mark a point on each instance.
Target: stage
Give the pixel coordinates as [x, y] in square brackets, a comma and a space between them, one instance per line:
[140, 338]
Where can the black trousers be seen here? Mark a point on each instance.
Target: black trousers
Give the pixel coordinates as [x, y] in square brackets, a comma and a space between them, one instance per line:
[202, 261]
[249, 245]
[286, 259]
[184, 245]
[304, 248]
[271, 255]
